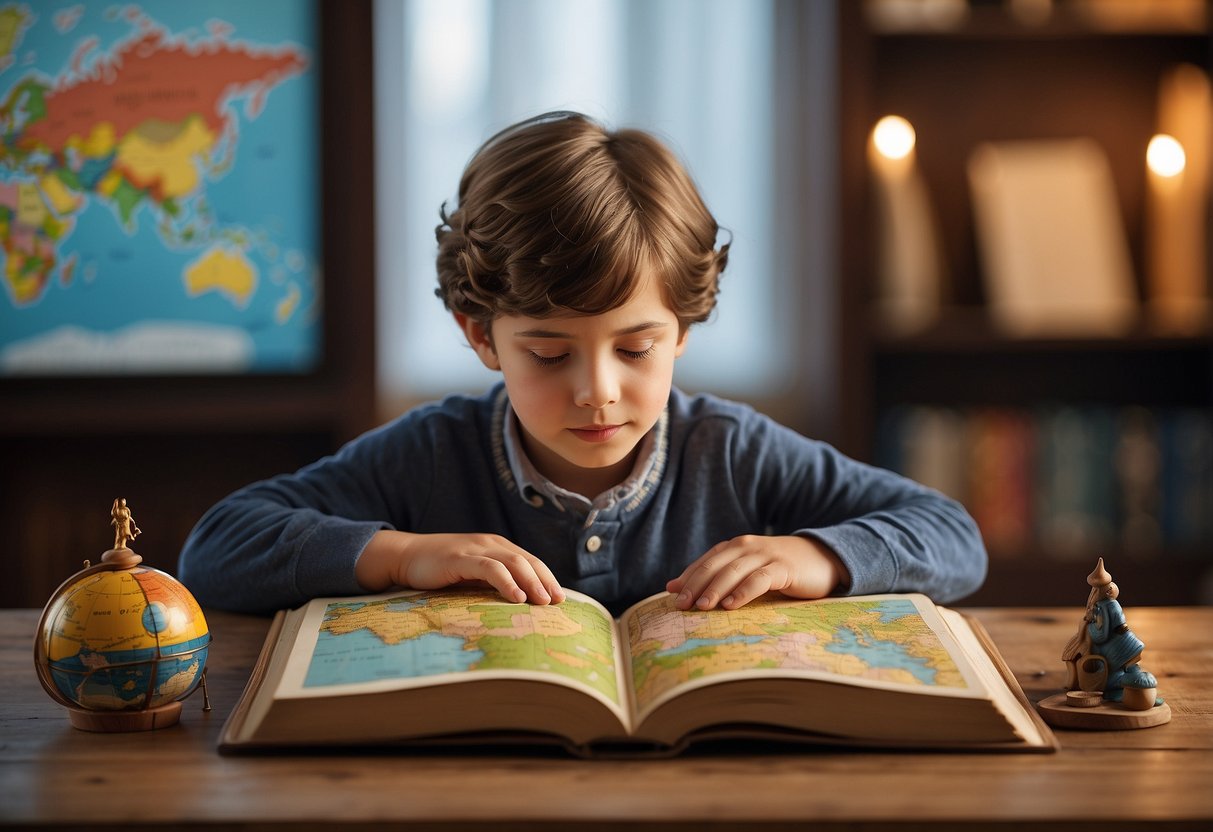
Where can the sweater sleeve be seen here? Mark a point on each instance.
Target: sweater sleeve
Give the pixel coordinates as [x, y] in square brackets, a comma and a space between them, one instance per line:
[891, 533]
[283, 541]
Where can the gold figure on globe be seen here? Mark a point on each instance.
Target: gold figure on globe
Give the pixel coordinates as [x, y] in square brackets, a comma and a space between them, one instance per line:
[123, 522]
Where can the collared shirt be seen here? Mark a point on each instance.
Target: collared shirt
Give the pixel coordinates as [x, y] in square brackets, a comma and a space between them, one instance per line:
[534, 486]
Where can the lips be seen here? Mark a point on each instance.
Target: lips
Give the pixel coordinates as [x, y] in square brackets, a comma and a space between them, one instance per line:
[595, 433]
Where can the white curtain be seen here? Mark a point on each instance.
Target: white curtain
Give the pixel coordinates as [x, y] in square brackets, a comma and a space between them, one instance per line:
[450, 73]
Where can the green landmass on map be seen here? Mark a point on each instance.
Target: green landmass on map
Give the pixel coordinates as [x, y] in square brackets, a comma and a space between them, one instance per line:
[573, 639]
[883, 641]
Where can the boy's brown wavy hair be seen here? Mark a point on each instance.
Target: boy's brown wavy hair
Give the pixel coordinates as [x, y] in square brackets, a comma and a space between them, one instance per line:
[559, 216]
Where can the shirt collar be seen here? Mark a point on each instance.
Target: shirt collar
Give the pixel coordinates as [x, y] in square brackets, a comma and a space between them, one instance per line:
[533, 486]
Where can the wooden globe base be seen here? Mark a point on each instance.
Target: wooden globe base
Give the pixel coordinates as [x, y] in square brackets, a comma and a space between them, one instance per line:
[1106, 716]
[118, 721]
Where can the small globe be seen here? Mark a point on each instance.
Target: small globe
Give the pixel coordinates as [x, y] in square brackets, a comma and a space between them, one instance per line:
[122, 639]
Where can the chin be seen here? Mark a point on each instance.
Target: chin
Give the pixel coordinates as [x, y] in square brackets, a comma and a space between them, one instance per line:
[597, 462]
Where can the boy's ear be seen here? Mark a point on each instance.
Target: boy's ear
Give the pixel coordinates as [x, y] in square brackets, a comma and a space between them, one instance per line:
[681, 346]
[479, 339]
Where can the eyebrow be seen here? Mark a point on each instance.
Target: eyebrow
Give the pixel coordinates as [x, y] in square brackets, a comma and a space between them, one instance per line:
[547, 333]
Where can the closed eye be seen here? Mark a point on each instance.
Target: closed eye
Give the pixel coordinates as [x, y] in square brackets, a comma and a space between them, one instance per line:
[547, 360]
[639, 355]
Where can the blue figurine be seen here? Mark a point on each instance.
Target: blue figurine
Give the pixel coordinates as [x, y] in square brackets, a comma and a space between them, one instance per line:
[1104, 654]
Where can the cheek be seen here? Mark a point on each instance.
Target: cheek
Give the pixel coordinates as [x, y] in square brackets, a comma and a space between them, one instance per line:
[653, 387]
[530, 392]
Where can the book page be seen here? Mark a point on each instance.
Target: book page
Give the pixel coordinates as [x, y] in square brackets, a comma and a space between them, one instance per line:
[405, 639]
[1020, 720]
[881, 641]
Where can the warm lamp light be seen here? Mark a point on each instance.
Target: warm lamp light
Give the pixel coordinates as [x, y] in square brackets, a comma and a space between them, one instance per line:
[894, 137]
[910, 268]
[1165, 156]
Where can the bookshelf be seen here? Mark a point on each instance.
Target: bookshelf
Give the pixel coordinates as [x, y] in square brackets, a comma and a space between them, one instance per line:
[991, 77]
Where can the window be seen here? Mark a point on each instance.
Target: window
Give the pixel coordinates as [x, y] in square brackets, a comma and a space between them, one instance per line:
[698, 73]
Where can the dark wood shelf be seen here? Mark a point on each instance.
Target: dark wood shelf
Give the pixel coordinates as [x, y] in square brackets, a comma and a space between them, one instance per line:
[201, 405]
[992, 78]
[973, 330]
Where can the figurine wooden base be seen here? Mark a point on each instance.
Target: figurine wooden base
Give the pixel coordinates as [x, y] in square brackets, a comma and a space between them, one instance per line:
[118, 721]
[1104, 716]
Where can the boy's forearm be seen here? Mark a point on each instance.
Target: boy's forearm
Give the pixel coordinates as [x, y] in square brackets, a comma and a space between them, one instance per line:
[249, 554]
[930, 545]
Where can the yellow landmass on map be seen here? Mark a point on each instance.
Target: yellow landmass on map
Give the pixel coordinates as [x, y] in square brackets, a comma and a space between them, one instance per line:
[109, 183]
[393, 627]
[61, 198]
[222, 270]
[13, 21]
[31, 209]
[287, 306]
[162, 157]
[26, 286]
[99, 142]
[455, 618]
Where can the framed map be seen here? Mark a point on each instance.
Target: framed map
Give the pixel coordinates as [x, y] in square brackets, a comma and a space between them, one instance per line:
[160, 188]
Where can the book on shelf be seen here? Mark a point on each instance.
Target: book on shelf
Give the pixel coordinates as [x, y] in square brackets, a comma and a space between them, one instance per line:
[1051, 238]
[1068, 479]
[1185, 448]
[463, 666]
[998, 483]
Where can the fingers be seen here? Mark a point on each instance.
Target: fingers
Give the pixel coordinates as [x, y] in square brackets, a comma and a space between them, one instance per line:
[737, 571]
[533, 576]
[730, 575]
[443, 560]
[495, 574]
[517, 574]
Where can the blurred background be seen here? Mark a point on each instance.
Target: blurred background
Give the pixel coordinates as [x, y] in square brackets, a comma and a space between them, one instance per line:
[970, 243]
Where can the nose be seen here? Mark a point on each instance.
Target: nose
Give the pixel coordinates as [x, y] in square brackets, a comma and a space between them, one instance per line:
[597, 384]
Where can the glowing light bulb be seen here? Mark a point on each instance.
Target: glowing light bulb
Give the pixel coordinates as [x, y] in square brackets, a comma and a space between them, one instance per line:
[894, 137]
[1165, 156]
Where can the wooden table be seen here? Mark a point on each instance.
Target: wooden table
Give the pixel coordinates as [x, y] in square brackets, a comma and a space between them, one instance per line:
[52, 775]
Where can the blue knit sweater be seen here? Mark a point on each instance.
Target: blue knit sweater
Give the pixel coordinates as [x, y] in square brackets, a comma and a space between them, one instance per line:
[720, 470]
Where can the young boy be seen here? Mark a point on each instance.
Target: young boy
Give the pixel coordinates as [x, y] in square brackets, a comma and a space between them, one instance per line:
[575, 264]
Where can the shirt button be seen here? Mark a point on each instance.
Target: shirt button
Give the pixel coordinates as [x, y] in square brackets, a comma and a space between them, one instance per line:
[593, 544]
[536, 500]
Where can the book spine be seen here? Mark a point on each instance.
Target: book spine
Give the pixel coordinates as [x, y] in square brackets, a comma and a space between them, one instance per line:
[1067, 481]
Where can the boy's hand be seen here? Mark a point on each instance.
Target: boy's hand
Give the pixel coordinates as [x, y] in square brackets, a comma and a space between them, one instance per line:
[432, 561]
[737, 571]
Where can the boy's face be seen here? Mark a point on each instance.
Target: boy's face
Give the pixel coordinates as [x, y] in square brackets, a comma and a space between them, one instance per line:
[586, 388]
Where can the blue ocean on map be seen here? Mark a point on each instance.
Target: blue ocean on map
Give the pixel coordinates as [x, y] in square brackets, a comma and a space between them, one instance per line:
[883, 654]
[361, 656]
[395, 605]
[692, 644]
[892, 610]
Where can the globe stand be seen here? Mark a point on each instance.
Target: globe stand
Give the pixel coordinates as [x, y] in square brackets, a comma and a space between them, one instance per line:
[118, 559]
[122, 721]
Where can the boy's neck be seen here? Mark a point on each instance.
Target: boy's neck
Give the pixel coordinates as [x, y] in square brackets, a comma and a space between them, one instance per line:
[588, 482]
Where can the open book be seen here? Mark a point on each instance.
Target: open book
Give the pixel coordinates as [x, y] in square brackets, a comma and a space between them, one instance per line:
[466, 666]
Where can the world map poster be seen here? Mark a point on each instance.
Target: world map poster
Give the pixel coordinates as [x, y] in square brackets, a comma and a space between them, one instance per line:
[159, 187]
